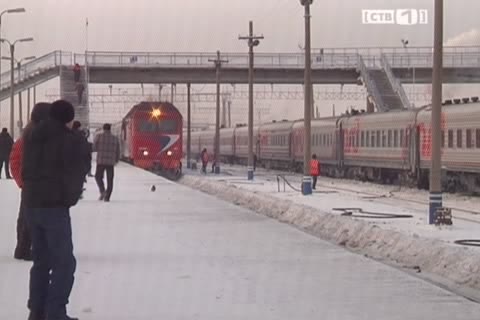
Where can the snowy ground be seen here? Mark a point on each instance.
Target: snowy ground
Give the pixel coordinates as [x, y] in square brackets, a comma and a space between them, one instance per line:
[407, 243]
[179, 254]
[338, 193]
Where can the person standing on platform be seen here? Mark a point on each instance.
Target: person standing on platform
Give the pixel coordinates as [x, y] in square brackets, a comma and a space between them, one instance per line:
[6, 143]
[52, 173]
[204, 159]
[314, 170]
[23, 249]
[86, 155]
[77, 71]
[107, 147]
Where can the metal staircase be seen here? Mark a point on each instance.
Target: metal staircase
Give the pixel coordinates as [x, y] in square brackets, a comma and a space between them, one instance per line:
[69, 92]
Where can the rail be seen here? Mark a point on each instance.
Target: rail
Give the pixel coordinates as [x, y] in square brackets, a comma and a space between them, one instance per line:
[396, 85]
[29, 69]
[369, 83]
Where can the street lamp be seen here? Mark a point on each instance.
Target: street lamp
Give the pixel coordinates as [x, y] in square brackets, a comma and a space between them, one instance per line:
[253, 41]
[20, 110]
[307, 179]
[16, 10]
[12, 76]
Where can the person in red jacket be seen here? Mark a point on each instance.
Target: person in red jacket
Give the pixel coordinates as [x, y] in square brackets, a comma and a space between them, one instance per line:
[314, 170]
[24, 242]
[204, 159]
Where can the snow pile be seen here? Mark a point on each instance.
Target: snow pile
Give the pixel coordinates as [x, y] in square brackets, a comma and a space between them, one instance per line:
[456, 265]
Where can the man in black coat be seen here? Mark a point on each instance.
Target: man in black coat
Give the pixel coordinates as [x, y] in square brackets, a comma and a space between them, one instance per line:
[6, 143]
[53, 174]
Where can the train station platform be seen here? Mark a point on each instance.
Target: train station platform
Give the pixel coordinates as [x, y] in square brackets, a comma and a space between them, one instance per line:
[177, 253]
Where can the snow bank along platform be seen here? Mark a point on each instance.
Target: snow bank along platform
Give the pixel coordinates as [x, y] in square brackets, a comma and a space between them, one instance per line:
[409, 243]
[177, 253]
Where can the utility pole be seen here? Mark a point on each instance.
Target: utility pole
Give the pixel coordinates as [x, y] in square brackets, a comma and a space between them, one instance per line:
[307, 179]
[218, 65]
[20, 111]
[189, 128]
[28, 105]
[252, 41]
[436, 165]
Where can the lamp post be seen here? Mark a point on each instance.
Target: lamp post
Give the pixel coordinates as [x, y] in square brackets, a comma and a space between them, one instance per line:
[436, 165]
[253, 41]
[12, 77]
[20, 110]
[8, 11]
[307, 179]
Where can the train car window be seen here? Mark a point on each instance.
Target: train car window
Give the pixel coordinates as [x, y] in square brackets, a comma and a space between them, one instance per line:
[389, 139]
[378, 139]
[373, 139]
[324, 139]
[362, 139]
[477, 136]
[443, 138]
[148, 126]
[450, 138]
[384, 140]
[469, 139]
[367, 138]
[395, 139]
[401, 138]
[459, 138]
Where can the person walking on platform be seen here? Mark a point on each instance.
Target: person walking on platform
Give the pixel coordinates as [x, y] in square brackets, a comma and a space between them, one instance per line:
[204, 159]
[24, 241]
[314, 170]
[107, 147]
[6, 143]
[52, 173]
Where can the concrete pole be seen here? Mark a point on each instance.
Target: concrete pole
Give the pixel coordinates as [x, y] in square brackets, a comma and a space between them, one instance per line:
[218, 64]
[34, 95]
[229, 113]
[217, 117]
[189, 128]
[28, 105]
[12, 89]
[252, 42]
[307, 179]
[436, 165]
[20, 111]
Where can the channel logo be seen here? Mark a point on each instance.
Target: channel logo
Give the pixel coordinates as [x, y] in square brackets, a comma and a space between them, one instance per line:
[405, 17]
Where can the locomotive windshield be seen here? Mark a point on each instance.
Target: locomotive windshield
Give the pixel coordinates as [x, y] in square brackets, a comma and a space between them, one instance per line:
[153, 126]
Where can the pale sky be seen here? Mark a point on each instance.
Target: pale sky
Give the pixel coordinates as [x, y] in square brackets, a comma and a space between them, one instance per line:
[208, 25]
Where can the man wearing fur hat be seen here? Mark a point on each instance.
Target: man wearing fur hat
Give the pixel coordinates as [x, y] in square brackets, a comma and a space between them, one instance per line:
[53, 174]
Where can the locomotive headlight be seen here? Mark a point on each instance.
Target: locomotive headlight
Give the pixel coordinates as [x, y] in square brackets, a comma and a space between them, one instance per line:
[145, 153]
[156, 113]
[169, 153]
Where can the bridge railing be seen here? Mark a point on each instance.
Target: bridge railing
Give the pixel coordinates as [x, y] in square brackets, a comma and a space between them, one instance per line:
[203, 60]
[48, 61]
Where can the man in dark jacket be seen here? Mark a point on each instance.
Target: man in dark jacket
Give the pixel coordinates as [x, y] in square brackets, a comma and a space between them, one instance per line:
[6, 143]
[86, 148]
[53, 175]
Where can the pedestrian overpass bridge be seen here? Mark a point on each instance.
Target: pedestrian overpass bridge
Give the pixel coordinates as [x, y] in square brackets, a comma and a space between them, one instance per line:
[381, 70]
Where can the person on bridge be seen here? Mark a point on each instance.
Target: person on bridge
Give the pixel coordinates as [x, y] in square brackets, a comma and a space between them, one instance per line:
[314, 170]
[6, 143]
[204, 159]
[24, 241]
[107, 147]
[52, 173]
[77, 71]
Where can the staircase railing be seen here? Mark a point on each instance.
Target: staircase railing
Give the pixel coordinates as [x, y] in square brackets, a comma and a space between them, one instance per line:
[396, 84]
[369, 83]
[29, 69]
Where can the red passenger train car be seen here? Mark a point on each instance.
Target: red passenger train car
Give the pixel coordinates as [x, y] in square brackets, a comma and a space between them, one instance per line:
[151, 136]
